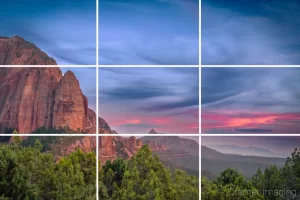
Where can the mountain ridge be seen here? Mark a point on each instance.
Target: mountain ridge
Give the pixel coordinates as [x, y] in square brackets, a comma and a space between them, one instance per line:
[17, 51]
[214, 162]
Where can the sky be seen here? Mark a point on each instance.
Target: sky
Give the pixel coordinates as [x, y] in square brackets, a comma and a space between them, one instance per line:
[250, 32]
[280, 146]
[64, 29]
[250, 100]
[135, 100]
[149, 32]
[87, 80]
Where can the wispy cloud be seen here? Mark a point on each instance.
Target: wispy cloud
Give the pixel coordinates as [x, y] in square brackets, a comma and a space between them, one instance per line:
[145, 33]
[65, 30]
[263, 32]
[165, 98]
[250, 98]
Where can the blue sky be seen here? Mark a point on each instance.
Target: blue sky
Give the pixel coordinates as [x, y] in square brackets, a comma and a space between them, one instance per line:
[135, 100]
[148, 32]
[87, 80]
[64, 29]
[250, 32]
[250, 100]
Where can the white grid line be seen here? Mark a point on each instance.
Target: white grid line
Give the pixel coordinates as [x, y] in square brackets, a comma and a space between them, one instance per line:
[200, 64]
[152, 135]
[97, 99]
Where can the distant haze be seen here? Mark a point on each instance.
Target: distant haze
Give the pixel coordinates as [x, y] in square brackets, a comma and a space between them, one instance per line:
[270, 146]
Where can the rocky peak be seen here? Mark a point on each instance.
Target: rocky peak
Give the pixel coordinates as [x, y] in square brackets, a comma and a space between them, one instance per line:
[17, 51]
[152, 131]
[70, 105]
[104, 128]
[33, 97]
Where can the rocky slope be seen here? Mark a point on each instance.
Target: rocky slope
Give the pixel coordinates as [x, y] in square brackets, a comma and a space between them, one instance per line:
[17, 51]
[66, 145]
[113, 147]
[175, 142]
[172, 150]
[32, 97]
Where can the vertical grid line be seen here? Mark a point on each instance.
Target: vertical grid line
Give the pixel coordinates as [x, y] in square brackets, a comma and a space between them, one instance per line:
[97, 100]
[200, 127]
[199, 134]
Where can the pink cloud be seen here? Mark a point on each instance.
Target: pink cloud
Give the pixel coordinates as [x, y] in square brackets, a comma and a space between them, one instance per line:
[127, 121]
[237, 119]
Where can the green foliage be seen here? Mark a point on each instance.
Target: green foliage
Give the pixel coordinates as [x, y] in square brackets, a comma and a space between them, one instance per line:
[46, 141]
[271, 184]
[229, 185]
[144, 177]
[28, 174]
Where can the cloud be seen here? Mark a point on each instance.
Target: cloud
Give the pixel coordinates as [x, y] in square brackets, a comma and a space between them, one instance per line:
[254, 130]
[128, 122]
[269, 89]
[162, 97]
[153, 32]
[70, 32]
[260, 32]
[136, 90]
[251, 98]
[187, 102]
[134, 48]
[190, 112]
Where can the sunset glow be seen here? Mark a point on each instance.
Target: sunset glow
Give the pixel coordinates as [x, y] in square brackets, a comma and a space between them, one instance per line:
[250, 100]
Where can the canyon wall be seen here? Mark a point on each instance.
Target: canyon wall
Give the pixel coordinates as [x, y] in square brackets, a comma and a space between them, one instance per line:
[34, 97]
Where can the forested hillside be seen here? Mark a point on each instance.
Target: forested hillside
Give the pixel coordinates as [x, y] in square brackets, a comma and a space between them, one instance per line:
[28, 174]
[29, 171]
[144, 177]
[273, 183]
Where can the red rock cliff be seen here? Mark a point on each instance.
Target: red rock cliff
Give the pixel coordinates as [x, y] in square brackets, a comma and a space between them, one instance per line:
[35, 97]
[32, 97]
[127, 147]
[70, 107]
[17, 51]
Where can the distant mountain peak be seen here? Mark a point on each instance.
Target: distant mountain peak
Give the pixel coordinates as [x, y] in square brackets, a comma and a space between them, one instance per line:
[152, 131]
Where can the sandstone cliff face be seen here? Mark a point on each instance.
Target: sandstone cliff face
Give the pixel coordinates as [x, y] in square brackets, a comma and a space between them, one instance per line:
[33, 97]
[26, 97]
[133, 145]
[17, 51]
[113, 147]
[67, 145]
[104, 127]
[156, 147]
[107, 149]
[70, 107]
